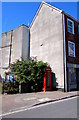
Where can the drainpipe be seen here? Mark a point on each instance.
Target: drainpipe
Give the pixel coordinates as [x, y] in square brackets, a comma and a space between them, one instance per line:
[29, 43]
[10, 48]
[65, 64]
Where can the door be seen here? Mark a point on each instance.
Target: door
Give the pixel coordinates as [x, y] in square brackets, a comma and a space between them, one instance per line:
[77, 75]
[72, 80]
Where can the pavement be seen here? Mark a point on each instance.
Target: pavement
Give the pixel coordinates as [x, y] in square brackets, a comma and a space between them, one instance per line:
[16, 102]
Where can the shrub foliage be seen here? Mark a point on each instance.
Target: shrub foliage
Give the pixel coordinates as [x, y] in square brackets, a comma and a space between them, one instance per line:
[10, 87]
[31, 71]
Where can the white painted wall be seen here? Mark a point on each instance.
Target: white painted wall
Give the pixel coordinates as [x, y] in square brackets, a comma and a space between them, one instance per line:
[20, 41]
[47, 30]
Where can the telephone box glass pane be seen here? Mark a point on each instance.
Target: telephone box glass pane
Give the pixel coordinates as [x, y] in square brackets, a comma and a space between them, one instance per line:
[48, 79]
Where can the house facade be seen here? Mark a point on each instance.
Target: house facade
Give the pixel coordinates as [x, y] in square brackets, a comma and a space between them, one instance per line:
[54, 39]
[14, 45]
[72, 52]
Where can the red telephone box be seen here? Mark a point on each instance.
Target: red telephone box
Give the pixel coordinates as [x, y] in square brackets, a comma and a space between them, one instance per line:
[47, 79]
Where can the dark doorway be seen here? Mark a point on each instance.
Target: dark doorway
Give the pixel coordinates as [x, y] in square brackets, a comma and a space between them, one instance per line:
[77, 77]
[72, 79]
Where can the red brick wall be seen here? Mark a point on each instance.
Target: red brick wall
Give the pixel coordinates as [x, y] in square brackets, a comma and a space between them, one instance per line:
[72, 38]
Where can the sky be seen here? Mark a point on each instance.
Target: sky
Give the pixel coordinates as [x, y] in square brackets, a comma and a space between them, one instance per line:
[17, 13]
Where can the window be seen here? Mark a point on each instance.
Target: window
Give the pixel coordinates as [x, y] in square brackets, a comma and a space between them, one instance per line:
[70, 26]
[71, 49]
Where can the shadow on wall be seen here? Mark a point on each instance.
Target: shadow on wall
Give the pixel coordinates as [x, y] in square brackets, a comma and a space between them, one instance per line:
[54, 83]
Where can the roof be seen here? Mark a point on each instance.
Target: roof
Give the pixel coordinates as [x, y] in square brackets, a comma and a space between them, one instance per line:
[61, 11]
[40, 9]
[70, 16]
[15, 28]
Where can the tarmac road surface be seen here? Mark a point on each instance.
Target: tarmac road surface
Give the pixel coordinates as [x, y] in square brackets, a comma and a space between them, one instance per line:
[66, 108]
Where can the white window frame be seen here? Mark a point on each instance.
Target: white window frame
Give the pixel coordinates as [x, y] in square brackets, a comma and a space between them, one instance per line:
[69, 54]
[69, 26]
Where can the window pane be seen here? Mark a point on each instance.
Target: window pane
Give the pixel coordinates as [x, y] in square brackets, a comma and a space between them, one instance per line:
[70, 26]
[70, 23]
[71, 49]
[70, 30]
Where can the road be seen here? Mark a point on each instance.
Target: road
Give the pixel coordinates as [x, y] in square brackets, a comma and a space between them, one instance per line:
[60, 109]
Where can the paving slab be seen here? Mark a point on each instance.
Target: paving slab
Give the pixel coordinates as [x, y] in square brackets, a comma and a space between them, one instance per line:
[15, 102]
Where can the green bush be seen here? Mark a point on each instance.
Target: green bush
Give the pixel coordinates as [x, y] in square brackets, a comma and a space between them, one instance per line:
[10, 88]
[31, 71]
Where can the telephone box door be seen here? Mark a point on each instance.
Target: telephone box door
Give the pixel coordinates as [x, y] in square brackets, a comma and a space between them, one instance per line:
[47, 79]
